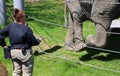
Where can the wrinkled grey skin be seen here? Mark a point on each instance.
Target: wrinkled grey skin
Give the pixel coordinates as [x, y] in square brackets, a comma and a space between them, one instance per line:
[98, 12]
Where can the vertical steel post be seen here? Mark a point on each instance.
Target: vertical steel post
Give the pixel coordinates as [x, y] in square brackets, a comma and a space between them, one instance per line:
[2, 12]
[19, 4]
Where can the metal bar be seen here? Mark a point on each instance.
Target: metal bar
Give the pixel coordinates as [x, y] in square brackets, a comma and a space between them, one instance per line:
[2, 12]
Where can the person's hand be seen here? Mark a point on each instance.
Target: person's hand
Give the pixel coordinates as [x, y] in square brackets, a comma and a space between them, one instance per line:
[38, 40]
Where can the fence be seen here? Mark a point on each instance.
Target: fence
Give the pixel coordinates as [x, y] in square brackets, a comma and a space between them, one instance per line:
[72, 60]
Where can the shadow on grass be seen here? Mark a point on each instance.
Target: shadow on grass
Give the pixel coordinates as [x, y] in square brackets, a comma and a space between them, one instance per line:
[51, 50]
[94, 54]
[112, 44]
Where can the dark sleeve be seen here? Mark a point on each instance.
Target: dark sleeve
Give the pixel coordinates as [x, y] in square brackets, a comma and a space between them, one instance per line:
[3, 34]
[31, 38]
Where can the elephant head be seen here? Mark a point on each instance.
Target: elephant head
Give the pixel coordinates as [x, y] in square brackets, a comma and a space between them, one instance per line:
[100, 12]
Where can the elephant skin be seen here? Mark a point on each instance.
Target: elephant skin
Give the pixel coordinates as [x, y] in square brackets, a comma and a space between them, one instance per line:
[100, 12]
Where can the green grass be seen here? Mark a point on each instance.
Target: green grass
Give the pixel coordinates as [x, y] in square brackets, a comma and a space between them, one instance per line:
[59, 61]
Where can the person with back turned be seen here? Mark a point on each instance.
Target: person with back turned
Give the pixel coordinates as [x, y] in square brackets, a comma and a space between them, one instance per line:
[21, 39]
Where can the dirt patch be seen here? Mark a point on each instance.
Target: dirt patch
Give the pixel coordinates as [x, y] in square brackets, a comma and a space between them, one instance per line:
[3, 70]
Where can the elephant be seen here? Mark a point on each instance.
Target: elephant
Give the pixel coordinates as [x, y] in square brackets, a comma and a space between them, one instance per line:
[100, 12]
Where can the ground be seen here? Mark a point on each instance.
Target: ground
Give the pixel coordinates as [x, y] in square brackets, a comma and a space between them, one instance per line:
[3, 70]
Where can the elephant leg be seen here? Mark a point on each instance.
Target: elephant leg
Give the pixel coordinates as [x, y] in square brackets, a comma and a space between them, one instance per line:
[98, 40]
[101, 16]
[69, 42]
[78, 36]
[75, 37]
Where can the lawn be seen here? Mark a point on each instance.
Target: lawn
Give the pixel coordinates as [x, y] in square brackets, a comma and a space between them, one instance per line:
[51, 58]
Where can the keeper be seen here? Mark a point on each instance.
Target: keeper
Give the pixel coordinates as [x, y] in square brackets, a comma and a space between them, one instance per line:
[21, 39]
